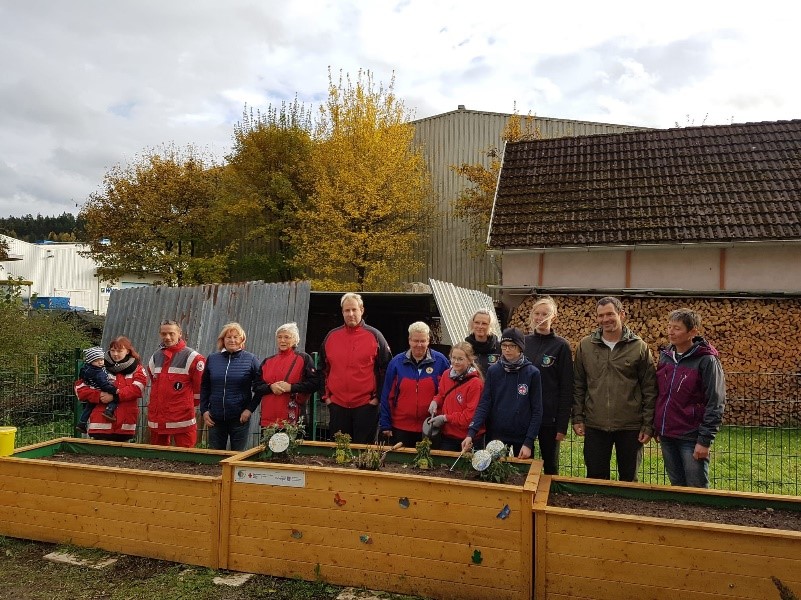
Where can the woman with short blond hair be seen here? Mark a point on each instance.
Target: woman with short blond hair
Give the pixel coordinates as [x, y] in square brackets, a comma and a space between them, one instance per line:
[226, 390]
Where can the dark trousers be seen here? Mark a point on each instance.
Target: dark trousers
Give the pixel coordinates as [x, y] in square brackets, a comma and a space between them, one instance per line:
[450, 444]
[360, 423]
[409, 439]
[231, 429]
[549, 450]
[598, 453]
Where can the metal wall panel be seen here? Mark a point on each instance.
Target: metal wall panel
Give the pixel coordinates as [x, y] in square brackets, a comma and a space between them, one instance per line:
[456, 306]
[464, 136]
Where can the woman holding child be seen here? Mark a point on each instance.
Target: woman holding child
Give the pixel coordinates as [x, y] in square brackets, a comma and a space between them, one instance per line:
[123, 364]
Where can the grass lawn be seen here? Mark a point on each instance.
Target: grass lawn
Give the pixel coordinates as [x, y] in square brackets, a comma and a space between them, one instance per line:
[25, 575]
[758, 459]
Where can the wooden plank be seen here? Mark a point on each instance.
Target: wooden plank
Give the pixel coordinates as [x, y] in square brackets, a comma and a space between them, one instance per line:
[165, 549]
[57, 509]
[270, 539]
[356, 503]
[597, 527]
[540, 554]
[132, 479]
[175, 500]
[378, 566]
[374, 524]
[714, 563]
[678, 582]
[412, 584]
[473, 494]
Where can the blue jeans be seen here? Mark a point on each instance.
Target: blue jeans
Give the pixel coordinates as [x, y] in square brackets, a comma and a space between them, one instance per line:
[681, 467]
[222, 430]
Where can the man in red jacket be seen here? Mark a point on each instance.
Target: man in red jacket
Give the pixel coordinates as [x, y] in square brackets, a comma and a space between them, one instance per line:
[175, 372]
[354, 358]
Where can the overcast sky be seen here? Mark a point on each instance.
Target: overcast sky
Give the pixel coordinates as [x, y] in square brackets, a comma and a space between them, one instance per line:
[85, 85]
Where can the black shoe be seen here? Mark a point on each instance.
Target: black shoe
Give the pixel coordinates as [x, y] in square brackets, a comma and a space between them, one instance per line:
[81, 427]
[109, 415]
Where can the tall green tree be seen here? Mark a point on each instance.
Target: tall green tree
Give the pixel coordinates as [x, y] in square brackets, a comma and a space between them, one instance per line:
[363, 224]
[474, 203]
[267, 179]
[154, 216]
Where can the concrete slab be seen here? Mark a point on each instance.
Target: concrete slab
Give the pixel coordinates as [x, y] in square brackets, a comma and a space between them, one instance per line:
[233, 580]
[359, 594]
[71, 559]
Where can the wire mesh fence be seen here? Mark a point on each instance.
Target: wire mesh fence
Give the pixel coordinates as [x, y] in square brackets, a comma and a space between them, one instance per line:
[758, 448]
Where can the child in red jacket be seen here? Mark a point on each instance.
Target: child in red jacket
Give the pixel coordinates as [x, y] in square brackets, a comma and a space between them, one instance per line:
[459, 391]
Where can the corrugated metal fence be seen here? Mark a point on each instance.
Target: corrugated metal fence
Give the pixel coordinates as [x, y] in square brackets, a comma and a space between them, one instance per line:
[202, 311]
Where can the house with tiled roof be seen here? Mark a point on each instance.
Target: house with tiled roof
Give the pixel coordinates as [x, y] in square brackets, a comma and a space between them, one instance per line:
[711, 210]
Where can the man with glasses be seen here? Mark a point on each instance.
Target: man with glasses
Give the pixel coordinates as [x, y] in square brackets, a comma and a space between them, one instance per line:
[175, 372]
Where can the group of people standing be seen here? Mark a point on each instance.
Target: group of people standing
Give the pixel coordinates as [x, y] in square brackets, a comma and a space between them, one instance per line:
[517, 389]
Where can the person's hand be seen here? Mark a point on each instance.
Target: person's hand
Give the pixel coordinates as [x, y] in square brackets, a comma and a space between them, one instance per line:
[467, 443]
[700, 452]
[245, 416]
[387, 433]
[277, 388]
[105, 397]
[559, 436]
[207, 419]
[432, 408]
[437, 421]
[578, 428]
[525, 452]
[374, 401]
[643, 438]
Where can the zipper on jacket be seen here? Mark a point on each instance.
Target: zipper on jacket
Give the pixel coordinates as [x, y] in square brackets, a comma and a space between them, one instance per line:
[225, 384]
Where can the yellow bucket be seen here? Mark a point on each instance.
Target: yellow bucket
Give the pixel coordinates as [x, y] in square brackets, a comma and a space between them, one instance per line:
[7, 440]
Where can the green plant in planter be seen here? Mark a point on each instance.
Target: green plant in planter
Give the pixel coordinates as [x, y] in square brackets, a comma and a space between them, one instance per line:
[281, 442]
[422, 459]
[369, 459]
[342, 453]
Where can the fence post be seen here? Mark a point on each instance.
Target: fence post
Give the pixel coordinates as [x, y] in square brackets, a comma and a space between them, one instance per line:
[76, 407]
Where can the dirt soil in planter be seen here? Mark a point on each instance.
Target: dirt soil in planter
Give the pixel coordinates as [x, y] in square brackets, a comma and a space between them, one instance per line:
[145, 464]
[214, 470]
[439, 470]
[750, 517]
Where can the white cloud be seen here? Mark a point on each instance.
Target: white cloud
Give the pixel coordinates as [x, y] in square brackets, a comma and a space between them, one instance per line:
[88, 84]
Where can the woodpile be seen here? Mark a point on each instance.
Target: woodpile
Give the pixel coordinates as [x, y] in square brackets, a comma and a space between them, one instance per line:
[759, 341]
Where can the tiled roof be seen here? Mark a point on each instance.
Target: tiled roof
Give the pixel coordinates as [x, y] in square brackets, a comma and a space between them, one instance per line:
[687, 185]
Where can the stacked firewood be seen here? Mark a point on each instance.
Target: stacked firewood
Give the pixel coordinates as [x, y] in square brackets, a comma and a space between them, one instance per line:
[759, 341]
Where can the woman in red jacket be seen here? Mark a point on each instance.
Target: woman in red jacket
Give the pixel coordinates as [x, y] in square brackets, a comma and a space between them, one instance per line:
[124, 363]
[459, 392]
[287, 380]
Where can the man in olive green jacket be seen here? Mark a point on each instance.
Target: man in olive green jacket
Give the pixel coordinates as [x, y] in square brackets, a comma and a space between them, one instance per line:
[614, 394]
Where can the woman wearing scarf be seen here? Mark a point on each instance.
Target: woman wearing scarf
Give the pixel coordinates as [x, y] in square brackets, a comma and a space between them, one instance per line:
[459, 391]
[484, 342]
[124, 364]
[511, 403]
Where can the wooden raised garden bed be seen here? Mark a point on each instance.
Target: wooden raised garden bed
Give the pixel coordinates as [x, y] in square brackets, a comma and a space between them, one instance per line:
[400, 532]
[583, 553]
[167, 515]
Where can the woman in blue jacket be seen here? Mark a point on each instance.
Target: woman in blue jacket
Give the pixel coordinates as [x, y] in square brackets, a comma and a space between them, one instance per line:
[226, 390]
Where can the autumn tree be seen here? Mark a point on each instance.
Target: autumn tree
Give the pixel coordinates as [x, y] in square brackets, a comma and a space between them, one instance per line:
[474, 204]
[154, 217]
[267, 179]
[363, 223]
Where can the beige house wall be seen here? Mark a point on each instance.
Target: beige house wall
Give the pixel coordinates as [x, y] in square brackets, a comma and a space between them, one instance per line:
[752, 268]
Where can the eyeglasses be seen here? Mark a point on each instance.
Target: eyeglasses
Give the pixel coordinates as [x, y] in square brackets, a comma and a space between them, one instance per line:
[508, 345]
